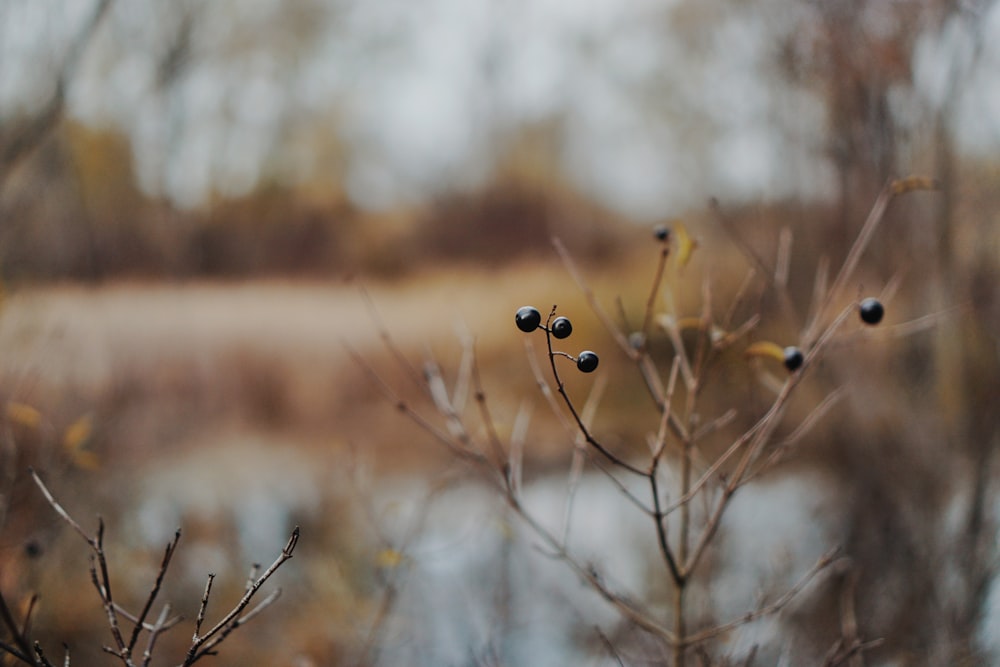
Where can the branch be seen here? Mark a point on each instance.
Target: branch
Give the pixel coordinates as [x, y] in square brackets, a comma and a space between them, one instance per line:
[825, 561]
[99, 573]
[29, 137]
[202, 645]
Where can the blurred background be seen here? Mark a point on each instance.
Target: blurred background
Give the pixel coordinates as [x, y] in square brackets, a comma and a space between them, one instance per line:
[193, 193]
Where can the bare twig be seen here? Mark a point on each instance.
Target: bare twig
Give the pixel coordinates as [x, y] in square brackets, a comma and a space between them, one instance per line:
[609, 646]
[163, 623]
[580, 454]
[203, 606]
[164, 564]
[770, 609]
[40, 655]
[202, 645]
[27, 138]
[388, 342]
[21, 649]
[98, 572]
[441, 436]
[561, 389]
[892, 189]
[588, 293]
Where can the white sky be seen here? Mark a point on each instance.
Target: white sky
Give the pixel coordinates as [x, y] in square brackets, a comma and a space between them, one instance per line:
[425, 94]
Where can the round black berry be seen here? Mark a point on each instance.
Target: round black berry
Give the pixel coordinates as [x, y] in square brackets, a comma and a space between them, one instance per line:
[527, 318]
[871, 311]
[562, 327]
[587, 362]
[661, 232]
[793, 358]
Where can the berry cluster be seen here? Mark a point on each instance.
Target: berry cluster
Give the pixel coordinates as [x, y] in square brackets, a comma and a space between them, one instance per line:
[528, 319]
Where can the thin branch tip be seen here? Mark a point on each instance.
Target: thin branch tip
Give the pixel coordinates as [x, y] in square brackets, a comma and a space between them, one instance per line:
[292, 542]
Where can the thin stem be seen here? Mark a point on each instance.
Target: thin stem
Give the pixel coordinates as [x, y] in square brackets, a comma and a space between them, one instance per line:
[824, 561]
[164, 564]
[23, 650]
[654, 291]
[197, 649]
[204, 606]
[661, 531]
[561, 389]
[588, 294]
[891, 189]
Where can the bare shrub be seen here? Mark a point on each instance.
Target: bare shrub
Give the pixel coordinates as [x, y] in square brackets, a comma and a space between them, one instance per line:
[127, 628]
[696, 459]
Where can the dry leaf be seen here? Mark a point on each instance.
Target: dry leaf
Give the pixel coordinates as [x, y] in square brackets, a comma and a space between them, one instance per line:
[23, 414]
[685, 243]
[766, 348]
[75, 438]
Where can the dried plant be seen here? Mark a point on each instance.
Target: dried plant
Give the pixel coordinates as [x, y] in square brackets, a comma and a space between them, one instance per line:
[703, 472]
[126, 647]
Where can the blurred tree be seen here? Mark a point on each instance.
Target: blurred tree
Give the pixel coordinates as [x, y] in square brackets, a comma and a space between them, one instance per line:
[20, 136]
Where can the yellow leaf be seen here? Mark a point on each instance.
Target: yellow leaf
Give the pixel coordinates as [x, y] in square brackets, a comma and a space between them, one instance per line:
[85, 460]
[78, 433]
[689, 323]
[75, 438]
[23, 414]
[389, 559]
[766, 348]
[903, 185]
[685, 243]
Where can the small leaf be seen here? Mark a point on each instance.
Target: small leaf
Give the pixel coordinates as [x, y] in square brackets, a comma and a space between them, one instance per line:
[766, 348]
[903, 185]
[76, 436]
[23, 414]
[685, 243]
[78, 433]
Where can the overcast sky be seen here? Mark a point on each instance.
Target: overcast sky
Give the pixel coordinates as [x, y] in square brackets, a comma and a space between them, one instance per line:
[654, 110]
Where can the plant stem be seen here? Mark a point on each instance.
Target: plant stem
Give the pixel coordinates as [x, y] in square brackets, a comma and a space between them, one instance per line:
[680, 629]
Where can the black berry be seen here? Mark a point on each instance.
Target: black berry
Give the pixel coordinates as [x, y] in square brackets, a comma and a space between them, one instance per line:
[587, 362]
[661, 232]
[793, 358]
[562, 327]
[871, 311]
[527, 318]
